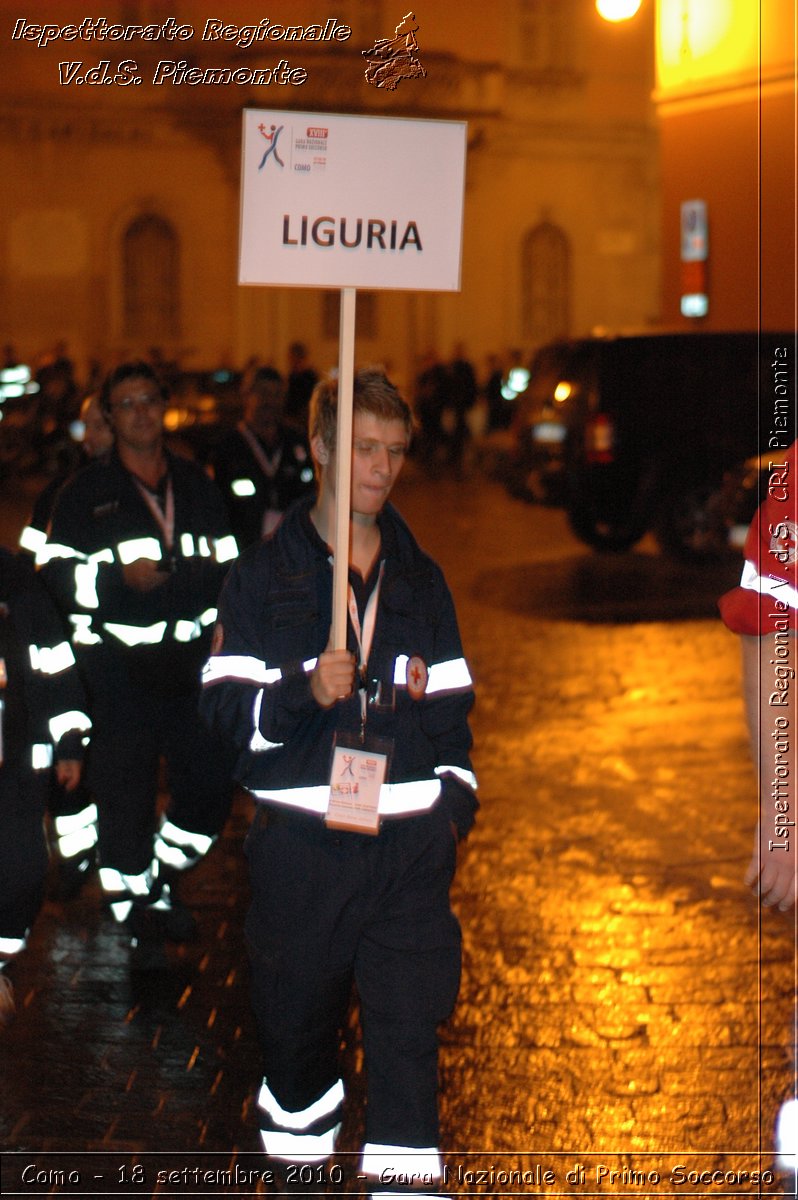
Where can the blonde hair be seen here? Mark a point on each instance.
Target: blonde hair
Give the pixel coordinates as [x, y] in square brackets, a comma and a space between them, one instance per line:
[372, 393]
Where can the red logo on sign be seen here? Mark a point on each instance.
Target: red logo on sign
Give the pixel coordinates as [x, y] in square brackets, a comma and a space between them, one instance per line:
[317, 133]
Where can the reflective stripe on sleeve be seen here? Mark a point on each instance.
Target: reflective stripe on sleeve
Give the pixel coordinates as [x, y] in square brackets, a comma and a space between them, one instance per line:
[400, 1161]
[51, 660]
[86, 578]
[258, 743]
[226, 548]
[240, 667]
[83, 634]
[41, 756]
[752, 581]
[33, 540]
[67, 723]
[135, 548]
[137, 635]
[52, 550]
[396, 799]
[451, 676]
[186, 545]
[466, 777]
[187, 631]
[242, 487]
[9, 947]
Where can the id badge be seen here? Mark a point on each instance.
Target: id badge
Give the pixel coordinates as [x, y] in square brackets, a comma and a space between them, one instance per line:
[359, 769]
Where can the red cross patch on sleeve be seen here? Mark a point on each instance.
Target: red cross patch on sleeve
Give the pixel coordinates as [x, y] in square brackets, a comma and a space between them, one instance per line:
[417, 676]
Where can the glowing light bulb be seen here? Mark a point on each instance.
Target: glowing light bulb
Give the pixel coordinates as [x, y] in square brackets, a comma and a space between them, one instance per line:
[617, 10]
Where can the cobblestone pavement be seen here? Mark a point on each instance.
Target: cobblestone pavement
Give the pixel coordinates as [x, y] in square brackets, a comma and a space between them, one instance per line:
[625, 1015]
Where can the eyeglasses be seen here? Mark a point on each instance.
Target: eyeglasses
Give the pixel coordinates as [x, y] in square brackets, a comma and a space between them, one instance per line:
[134, 403]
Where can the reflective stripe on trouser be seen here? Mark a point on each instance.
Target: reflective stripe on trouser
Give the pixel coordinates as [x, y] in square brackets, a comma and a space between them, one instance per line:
[76, 833]
[122, 891]
[306, 1136]
[327, 908]
[180, 848]
[401, 1170]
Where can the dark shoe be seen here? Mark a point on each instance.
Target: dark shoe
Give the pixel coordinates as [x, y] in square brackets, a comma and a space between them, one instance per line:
[147, 949]
[176, 920]
[71, 875]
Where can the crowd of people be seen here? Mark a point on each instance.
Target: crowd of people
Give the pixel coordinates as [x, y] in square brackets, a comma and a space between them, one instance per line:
[160, 613]
[159, 618]
[453, 405]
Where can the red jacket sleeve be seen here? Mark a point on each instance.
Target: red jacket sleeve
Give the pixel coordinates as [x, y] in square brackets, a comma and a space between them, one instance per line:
[767, 596]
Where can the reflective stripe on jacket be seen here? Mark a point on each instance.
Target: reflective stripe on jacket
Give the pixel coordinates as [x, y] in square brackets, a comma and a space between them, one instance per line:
[274, 621]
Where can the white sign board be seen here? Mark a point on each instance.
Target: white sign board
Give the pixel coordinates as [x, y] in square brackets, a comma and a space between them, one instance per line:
[339, 201]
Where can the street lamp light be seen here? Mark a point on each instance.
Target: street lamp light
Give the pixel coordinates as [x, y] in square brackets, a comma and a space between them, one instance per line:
[617, 10]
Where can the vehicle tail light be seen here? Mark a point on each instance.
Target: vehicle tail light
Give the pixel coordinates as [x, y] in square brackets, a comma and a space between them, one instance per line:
[600, 439]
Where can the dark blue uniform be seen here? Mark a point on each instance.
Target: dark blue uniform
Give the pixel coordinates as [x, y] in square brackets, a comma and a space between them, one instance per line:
[42, 720]
[260, 482]
[332, 906]
[141, 654]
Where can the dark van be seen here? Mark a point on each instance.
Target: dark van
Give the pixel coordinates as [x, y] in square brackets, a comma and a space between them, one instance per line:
[658, 431]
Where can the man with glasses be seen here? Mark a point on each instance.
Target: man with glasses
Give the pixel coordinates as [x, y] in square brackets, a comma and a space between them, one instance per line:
[138, 547]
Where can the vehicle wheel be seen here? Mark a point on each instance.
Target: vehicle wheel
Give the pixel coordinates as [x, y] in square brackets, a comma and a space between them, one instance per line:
[607, 509]
[605, 533]
[691, 525]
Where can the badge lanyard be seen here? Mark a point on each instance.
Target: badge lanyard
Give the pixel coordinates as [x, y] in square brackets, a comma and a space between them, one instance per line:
[164, 517]
[365, 637]
[267, 465]
[359, 768]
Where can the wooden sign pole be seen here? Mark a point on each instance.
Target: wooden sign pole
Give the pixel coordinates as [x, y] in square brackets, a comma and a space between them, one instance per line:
[343, 466]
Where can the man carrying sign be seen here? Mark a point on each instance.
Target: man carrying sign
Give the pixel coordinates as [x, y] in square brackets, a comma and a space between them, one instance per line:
[358, 760]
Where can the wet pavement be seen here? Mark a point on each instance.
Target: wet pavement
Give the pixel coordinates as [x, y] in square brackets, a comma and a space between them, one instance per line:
[625, 1017]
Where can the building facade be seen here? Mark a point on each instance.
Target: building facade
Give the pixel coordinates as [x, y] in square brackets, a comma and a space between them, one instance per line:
[121, 228]
[726, 103]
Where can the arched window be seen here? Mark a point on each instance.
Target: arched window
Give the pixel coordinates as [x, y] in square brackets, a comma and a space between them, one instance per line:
[545, 284]
[546, 34]
[151, 279]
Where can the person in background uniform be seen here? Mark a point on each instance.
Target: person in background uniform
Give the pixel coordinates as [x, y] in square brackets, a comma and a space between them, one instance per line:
[461, 398]
[73, 811]
[138, 547]
[763, 610]
[350, 866]
[262, 467]
[302, 378]
[96, 441]
[43, 723]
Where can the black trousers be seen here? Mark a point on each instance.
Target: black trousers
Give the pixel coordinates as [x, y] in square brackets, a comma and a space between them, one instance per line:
[23, 847]
[330, 908]
[133, 727]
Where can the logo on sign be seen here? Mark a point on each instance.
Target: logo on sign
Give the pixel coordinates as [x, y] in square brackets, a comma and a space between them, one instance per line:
[271, 149]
